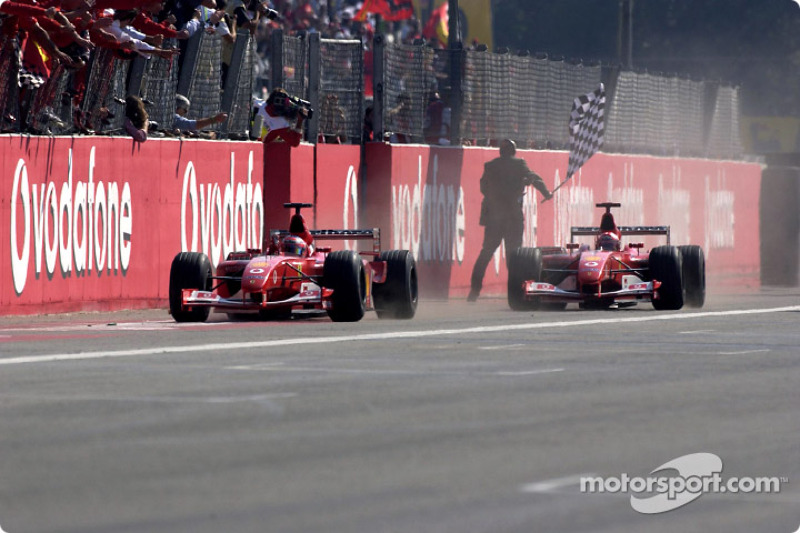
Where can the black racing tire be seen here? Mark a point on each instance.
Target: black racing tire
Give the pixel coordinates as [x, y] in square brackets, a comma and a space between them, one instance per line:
[665, 266]
[344, 273]
[524, 264]
[189, 270]
[397, 297]
[694, 275]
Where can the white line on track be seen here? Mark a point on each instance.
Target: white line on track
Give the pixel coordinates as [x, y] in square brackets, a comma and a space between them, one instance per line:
[384, 372]
[501, 347]
[528, 372]
[743, 352]
[552, 485]
[387, 336]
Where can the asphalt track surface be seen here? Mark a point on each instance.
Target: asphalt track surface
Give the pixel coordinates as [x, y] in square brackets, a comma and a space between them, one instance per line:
[469, 418]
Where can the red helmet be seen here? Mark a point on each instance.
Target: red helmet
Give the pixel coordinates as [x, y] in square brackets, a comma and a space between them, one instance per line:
[609, 241]
[293, 245]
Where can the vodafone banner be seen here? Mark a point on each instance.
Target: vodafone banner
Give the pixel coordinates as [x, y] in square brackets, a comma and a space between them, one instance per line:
[338, 182]
[95, 222]
[434, 206]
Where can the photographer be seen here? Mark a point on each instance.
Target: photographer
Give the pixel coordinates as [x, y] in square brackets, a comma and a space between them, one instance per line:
[277, 113]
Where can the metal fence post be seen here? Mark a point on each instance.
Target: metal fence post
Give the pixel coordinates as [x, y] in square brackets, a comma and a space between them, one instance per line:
[189, 62]
[709, 108]
[314, 77]
[457, 92]
[232, 82]
[378, 82]
[276, 61]
[136, 76]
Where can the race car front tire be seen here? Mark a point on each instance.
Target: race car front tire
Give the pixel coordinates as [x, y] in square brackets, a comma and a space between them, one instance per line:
[665, 266]
[344, 273]
[397, 297]
[189, 270]
[694, 275]
[524, 264]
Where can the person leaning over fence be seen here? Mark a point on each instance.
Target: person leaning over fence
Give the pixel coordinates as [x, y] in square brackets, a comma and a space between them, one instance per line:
[145, 23]
[503, 187]
[122, 30]
[183, 124]
[136, 118]
[212, 19]
[275, 114]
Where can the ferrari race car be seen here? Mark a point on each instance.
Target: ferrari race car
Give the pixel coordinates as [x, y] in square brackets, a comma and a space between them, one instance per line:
[293, 274]
[608, 274]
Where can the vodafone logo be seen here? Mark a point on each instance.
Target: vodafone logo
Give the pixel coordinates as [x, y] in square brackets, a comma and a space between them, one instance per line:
[77, 227]
[429, 218]
[216, 219]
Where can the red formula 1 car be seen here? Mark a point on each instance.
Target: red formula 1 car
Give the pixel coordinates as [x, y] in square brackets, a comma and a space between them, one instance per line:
[293, 274]
[608, 274]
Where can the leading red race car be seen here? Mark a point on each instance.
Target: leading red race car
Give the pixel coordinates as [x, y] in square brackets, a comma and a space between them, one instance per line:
[608, 274]
[295, 274]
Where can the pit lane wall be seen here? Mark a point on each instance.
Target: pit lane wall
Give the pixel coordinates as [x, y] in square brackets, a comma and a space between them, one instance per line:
[93, 223]
[427, 199]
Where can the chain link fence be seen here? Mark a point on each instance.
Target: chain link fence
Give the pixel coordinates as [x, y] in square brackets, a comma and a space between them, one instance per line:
[529, 99]
[341, 91]
[486, 96]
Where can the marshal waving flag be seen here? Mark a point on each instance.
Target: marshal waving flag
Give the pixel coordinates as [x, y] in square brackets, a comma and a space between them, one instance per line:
[586, 129]
[388, 9]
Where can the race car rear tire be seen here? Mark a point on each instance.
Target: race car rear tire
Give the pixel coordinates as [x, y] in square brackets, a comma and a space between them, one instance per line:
[189, 270]
[524, 264]
[344, 273]
[694, 275]
[665, 266]
[397, 297]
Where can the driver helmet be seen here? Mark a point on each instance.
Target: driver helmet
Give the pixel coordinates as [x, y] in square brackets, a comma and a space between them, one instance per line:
[609, 241]
[293, 245]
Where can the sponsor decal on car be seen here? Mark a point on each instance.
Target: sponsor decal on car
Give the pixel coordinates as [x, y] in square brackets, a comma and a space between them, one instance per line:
[533, 286]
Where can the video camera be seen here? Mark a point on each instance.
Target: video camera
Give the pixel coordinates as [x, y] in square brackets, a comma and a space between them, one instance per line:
[290, 106]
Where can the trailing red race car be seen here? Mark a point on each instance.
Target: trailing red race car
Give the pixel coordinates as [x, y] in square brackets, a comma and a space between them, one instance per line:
[295, 274]
[608, 274]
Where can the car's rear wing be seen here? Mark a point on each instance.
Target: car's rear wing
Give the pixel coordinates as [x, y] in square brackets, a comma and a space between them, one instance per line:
[339, 235]
[582, 231]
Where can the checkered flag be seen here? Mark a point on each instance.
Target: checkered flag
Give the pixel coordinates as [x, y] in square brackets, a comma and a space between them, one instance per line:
[586, 129]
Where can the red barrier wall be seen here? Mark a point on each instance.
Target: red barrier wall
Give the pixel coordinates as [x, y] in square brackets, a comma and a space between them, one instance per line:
[130, 208]
[435, 205]
[327, 176]
[93, 223]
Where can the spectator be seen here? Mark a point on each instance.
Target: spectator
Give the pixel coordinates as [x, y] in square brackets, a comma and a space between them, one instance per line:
[136, 118]
[332, 121]
[183, 124]
[122, 30]
[368, 130]
[399, 119]
[212, 19]
[436, 130]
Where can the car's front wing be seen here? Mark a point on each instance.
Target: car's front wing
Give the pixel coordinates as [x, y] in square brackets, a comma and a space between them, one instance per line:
[196, 298]
[645, 290]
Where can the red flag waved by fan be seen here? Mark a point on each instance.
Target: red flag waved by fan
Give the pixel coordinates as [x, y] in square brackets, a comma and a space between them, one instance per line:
[388, 9]
[437, 27]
